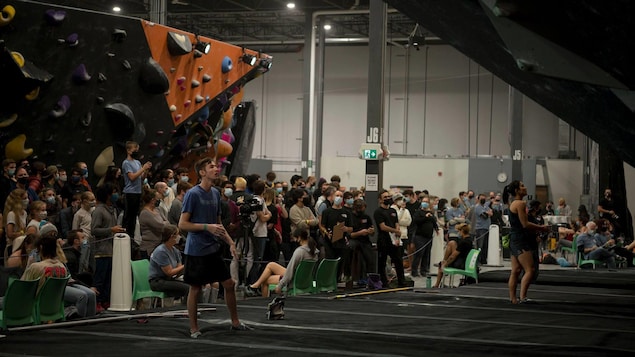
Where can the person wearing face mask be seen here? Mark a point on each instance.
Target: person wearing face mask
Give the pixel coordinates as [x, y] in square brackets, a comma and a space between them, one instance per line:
[300, 213]
[482, 218]
[133, 175]
[181, 175]
[594, 245]
[387, 226]
[607, 210]
[83, 220]
[360, 243]
[167, 196]
[103, 228]
[83, 168]
[67, 214]
[53, 205]
[403, 216]
[22, 181]
[151, 222]
[166, 265]
[425, 224]
[73, 186]
[334, 216]
[37, 213]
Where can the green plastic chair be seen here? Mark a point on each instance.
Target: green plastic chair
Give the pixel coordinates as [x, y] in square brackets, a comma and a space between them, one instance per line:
[470, 267]
[326, 275]
[573, 248]
[582, 261]
[49, 303]
[141, 284]
[18, 304]
[303, 278]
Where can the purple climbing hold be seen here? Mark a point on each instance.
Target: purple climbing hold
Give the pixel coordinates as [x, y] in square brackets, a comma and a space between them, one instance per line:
[72, 40]
[54, 17]
[187, 103]
[180, 80]
[80, 74]
[61, 107]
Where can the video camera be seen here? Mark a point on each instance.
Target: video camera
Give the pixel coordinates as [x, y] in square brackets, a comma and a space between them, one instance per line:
[249, 206]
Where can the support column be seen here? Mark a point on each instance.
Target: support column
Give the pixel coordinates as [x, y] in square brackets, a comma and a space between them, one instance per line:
[158, 11]
[309, 45]
[375, 107]
[516, 132]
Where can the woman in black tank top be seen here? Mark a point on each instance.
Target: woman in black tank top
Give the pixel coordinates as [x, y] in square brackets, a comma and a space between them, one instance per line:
[520, 246]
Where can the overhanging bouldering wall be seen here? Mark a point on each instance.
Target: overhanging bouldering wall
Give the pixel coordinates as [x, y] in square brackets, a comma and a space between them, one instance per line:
[76, 85]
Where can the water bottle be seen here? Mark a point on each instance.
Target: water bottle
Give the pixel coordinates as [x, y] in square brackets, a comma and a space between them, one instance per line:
[428, 281]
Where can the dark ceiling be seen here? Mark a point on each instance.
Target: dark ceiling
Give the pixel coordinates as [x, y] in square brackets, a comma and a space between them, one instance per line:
[266, 25]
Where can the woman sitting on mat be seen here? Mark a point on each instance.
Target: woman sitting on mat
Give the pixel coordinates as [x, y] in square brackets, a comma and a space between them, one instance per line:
[275, 273]
[455, 252]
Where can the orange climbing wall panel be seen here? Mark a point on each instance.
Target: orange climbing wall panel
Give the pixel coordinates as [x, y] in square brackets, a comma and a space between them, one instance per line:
[193, 68]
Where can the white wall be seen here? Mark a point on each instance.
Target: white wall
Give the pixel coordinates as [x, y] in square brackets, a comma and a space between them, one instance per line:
[566, 179]
[453, 108]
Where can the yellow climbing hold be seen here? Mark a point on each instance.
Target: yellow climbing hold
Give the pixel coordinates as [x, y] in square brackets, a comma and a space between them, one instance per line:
[15, 148]
[8, 12]
[10, 120]
[33, 94]
[18, 58]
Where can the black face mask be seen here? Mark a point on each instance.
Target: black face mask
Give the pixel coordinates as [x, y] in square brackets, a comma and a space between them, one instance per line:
[135, 155]
[23, 180]
[306, 201]
[388, 201]
[75, 179]
[470, 197]
[482, 201]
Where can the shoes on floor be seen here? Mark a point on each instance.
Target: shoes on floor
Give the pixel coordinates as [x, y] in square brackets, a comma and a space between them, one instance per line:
[195, 334]
[241, 327]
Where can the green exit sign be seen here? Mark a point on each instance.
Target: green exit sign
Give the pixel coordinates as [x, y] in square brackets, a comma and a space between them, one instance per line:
[370, 154]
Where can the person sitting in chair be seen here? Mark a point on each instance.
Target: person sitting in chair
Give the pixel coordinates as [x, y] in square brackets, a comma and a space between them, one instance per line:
[275, 273]
[456, 252]
[596, 246]
[166, 265]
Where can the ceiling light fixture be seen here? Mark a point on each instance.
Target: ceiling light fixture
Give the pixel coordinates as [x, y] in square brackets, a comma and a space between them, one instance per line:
[116, 9]
[203, 47]
[266, 63]
[327, 27]
[249, 59]
[291, 5]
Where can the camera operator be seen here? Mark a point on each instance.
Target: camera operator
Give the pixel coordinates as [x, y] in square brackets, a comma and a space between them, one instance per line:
[606, 209]
[260, 215]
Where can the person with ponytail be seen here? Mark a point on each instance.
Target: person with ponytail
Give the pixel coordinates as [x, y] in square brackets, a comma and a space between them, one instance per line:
[521, 244]
[275, 273]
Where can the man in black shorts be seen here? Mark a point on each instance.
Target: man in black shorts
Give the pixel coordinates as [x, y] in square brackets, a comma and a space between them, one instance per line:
[204, 264]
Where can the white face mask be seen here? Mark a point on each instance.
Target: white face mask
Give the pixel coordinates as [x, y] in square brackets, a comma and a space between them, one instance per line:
[25, 203]
[185, 178]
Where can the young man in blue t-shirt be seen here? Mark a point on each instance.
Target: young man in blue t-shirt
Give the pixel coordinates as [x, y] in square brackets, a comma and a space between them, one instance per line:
[201, 218]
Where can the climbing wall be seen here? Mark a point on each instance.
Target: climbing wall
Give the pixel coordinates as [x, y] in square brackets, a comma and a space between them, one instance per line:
[76, 85]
